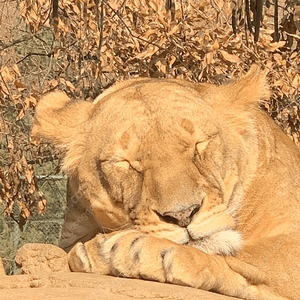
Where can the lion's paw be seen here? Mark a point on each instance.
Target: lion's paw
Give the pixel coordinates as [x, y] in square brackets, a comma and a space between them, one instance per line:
[137, 255]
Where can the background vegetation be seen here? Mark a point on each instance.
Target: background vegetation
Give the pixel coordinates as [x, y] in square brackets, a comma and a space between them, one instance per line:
[84, 46]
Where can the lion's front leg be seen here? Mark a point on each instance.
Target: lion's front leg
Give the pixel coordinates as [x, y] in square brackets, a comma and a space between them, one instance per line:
[127, 254]
[131, 254]
[138, 255]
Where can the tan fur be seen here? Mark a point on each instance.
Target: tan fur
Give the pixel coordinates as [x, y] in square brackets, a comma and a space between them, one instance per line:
[198, 185]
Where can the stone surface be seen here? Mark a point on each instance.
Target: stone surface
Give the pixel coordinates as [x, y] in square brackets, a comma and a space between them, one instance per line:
[47, 276]
[33, 258]
[82, 286]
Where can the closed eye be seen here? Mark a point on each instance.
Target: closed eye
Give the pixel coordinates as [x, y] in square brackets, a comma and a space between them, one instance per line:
[136, 166]
[123, 164]
[200, 147]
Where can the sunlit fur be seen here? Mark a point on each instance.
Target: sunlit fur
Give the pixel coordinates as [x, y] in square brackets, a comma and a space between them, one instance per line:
[198, 184]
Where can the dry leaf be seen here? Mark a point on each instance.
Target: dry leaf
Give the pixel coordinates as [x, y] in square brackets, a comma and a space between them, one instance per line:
[161, 66]
[42, 206]
[16, 69]
[297, 37]
[216, 45]
[230, 57]
[274, 46]
[174, 29]
[30, 102]
[149, 52]
[10, 144]
[296, 81]
[278, 58]
[172, 60]
[20, 115]
[53, 82]
[70, 85]
[208, 58]
[20, 86]
[29, 174]
[7, 74]
[19, 166]
[4, 88]
[25, 213]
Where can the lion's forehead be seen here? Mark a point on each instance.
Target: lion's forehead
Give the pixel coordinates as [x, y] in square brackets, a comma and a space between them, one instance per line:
[148, 122]
[158, 100]
[151, 142]
[157, 91]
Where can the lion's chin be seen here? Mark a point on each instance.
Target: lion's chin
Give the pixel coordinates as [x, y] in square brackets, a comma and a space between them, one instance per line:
[226, 242]
[218, 241]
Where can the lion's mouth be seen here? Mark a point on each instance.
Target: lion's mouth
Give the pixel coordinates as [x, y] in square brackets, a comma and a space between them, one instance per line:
[199, 236]
[197, 241]
[190, 238]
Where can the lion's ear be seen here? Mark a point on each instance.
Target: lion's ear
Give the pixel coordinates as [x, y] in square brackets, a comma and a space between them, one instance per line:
[251, 88]
[58, 118]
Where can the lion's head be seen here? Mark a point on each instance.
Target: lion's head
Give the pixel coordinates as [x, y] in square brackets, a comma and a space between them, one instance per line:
[166, 157]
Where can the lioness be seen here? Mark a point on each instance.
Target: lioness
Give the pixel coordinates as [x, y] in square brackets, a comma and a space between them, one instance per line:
[200, 187]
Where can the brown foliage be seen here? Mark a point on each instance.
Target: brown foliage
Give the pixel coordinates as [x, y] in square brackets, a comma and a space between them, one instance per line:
[92, 46]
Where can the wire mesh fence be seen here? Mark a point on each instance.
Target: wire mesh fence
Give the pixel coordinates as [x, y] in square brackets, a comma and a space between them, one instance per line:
[38, 228]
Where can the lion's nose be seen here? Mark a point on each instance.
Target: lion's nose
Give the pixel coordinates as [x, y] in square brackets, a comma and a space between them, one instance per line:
[181, 218]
